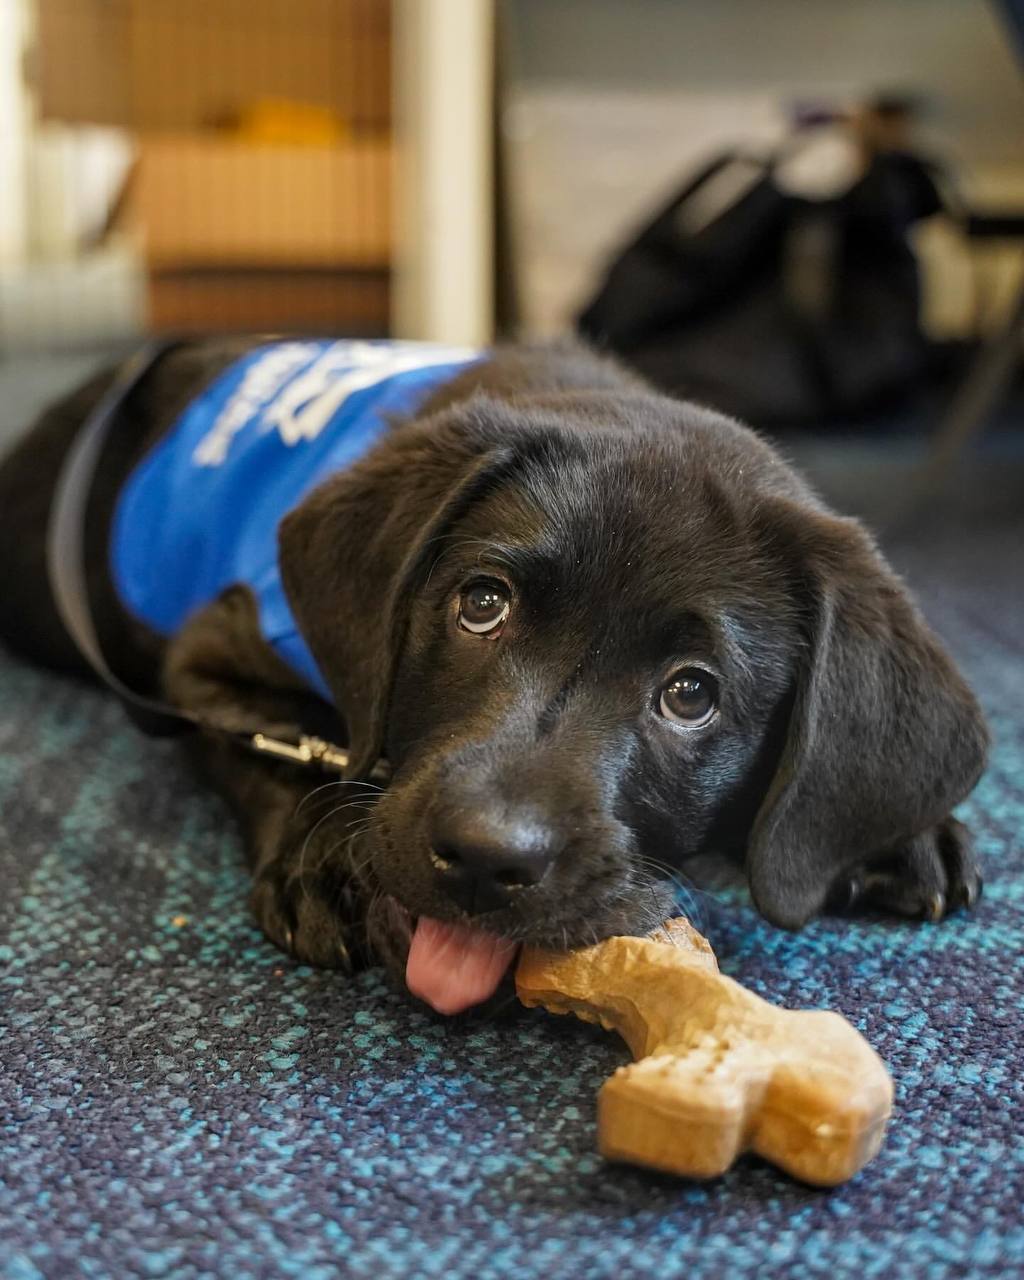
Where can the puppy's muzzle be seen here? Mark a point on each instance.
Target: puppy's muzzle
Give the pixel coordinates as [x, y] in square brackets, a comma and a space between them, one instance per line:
[486, 856]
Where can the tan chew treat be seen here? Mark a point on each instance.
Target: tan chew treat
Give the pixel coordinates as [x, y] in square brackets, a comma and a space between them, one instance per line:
[719, 1071]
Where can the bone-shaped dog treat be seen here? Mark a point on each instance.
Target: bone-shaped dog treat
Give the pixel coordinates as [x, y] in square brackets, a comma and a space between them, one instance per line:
[719, 1071]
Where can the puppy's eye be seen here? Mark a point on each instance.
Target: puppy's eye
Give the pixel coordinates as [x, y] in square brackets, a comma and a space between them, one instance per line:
[483, 608]
[690, 698]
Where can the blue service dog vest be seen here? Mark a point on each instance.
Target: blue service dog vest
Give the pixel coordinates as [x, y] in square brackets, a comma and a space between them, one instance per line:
[201, 511]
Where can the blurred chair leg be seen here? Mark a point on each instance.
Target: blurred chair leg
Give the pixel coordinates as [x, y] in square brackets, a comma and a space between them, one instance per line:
[983, 388]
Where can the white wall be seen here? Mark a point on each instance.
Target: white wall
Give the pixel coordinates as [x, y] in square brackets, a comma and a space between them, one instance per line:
[443, 77]
[14, 117]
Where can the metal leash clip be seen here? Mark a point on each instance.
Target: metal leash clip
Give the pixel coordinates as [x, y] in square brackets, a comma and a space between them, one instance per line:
[313, 752]
[308, 750]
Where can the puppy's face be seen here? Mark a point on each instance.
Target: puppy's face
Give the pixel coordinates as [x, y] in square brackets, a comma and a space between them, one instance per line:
[585, 697]
[593, 638]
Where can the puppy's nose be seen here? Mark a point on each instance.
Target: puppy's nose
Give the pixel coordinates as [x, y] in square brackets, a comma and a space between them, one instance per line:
[483, 860]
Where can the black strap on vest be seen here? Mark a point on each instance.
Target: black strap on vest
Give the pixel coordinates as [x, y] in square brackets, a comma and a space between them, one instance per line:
[65, 543]
[65, 556]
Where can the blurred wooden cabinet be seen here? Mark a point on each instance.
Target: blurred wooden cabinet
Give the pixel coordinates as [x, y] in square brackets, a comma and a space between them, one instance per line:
[203, 199]
[189, 64]
[261, 191]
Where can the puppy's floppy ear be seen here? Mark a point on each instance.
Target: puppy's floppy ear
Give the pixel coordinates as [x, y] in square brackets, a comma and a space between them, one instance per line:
[884, 736]
[352, 552]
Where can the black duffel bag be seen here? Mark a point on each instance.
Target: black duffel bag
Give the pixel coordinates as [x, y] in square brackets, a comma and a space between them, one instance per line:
[770, 305]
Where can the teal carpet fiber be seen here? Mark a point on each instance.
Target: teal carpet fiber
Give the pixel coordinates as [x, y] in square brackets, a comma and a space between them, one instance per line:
[178, 1099]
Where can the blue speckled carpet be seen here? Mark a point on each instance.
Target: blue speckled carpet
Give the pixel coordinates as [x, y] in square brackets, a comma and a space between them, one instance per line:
[176, 1099]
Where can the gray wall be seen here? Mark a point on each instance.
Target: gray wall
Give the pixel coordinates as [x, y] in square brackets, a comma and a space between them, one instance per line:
[609, 103]
[954, 51]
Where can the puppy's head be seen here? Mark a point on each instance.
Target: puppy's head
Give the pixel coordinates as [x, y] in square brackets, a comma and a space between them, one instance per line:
[594, 636]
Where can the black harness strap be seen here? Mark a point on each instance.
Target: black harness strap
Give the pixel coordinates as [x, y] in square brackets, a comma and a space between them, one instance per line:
[65, 554]
[65, 544]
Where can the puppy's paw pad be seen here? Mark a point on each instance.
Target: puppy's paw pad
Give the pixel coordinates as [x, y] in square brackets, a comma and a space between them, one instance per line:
[964, 883]
[929, 878]
[301, 922]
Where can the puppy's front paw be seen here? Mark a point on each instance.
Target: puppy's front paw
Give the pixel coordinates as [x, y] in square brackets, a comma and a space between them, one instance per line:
[931, 876]
[310, 918]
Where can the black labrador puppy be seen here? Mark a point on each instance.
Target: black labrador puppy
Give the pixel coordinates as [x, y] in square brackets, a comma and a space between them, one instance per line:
[594, 631]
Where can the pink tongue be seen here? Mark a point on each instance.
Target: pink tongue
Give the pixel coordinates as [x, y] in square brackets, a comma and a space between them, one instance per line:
[452, 967]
